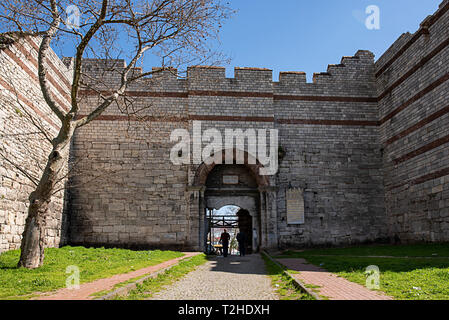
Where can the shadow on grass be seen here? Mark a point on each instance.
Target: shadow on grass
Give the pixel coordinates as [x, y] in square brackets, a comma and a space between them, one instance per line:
[410, 278]
[431, 250]
[351, 264]
[400, 258]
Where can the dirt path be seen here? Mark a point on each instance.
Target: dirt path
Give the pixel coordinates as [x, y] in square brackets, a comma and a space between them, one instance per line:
[231, 278]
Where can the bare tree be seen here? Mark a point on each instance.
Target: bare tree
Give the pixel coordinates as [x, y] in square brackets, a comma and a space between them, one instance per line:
[176, 31]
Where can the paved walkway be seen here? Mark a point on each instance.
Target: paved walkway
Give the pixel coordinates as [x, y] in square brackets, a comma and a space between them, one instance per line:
[331, 286]
[231, 278]
[87, 289]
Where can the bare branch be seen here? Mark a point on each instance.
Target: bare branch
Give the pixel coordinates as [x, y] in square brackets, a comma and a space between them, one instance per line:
[30, 177]
[79, 57]
[42, 68]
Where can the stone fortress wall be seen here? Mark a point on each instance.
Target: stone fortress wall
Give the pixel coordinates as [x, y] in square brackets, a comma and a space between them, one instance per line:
[366, 141]
[21, 104]
[328, 129]
[413, 92]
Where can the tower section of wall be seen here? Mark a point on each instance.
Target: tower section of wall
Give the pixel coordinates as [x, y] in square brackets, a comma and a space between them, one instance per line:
[23, 116]
[328, 130]
[413, 89]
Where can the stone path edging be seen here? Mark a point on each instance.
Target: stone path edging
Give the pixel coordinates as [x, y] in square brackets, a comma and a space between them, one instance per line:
[87, 289]
[295, 281]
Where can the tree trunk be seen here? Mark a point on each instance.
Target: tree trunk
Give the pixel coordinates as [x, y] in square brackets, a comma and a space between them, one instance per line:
[33, 237]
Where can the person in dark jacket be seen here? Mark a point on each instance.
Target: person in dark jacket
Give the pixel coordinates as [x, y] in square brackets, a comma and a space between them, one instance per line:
[241, 239]
[224, 239]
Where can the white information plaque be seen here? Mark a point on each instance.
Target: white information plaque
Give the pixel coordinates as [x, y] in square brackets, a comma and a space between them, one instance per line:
[295, 206]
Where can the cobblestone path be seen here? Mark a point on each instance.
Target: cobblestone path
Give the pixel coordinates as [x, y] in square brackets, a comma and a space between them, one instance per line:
[231, 278]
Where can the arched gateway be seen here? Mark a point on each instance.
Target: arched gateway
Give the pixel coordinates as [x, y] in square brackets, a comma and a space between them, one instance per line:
[216, 185]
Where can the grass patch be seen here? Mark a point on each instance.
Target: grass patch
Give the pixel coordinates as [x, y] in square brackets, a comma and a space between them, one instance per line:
[93, 263]
[283, 284]
[150, 286]
[422, 276]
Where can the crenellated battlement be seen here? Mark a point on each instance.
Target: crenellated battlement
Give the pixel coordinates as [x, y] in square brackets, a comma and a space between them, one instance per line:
[433, 28]
[293, 77]
[353, 70]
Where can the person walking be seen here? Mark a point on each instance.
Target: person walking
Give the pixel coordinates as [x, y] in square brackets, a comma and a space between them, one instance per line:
[224, 239]
[241, 239]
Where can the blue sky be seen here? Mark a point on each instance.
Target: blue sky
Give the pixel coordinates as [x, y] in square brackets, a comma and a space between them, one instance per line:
[307, 35]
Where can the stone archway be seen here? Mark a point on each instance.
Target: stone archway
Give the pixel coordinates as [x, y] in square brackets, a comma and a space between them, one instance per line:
[250, 162]
[217, 184]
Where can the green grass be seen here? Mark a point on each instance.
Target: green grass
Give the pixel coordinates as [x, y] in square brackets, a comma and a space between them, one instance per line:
[422, 276]
[150, 286]
[283, 284]
[93, 263]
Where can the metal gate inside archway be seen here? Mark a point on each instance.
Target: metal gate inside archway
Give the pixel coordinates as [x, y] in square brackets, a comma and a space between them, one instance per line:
[232, 219]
